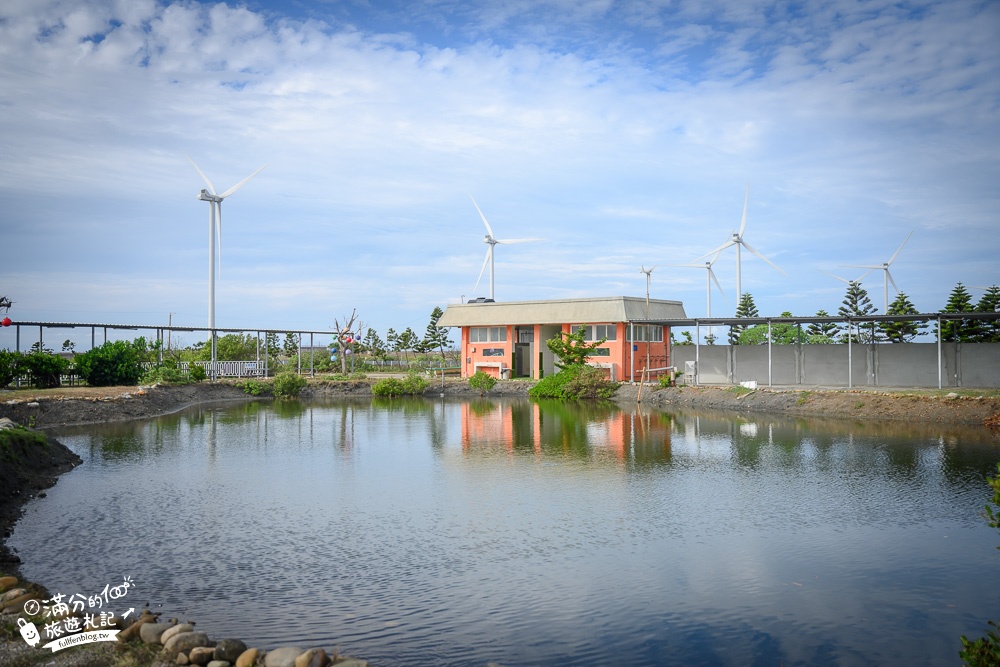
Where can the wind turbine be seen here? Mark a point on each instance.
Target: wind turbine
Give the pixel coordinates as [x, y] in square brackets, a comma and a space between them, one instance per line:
[215, 231]
[708, 282]
[737, 240]
[649, 275]
[709, 279]
[492, 241]
[886, 278]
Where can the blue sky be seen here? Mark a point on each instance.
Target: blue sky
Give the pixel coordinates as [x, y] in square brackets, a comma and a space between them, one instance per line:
[623, 133]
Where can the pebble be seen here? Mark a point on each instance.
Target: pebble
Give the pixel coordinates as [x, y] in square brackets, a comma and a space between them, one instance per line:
[229, 650]
[170, 632]
[6, 582]
[247, 658]
[200, 655]
[314, 657]
[282, 657]
[150, 633]
[218, 663]
[184, 642]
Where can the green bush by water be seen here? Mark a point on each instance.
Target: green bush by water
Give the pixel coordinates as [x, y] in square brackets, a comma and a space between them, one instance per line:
[573, 382]
[288, 385]
[412, 385]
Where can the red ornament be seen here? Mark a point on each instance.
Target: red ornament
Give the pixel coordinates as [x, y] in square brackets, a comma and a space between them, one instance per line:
[6, 321]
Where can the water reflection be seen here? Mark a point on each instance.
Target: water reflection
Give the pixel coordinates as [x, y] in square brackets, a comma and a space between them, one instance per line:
[419, 532]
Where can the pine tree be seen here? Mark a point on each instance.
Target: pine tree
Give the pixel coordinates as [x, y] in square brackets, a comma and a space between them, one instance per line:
[392, 341]
[746, 308]
[963, 330]
[436, 338]
[374, 344]
[903, 331]
[856, 304]
[822, 332]
[990, 303]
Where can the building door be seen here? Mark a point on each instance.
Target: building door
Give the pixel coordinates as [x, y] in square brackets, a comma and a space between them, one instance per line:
[522, 356]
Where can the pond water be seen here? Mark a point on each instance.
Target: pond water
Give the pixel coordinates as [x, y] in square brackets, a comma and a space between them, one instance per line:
[421, 532]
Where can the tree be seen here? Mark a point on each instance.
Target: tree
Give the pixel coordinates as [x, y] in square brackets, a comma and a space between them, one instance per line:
[345, 330]
[822, 332]
[69, 346]
[746, 308]
[904, 331]
[782, 333]
[990, 303]
[436, 338]
[374, 344]
[291, 345]
[407, 341]
[963, 330]
[856, 304]
[231, 347]
[392, 341]
[572, 349]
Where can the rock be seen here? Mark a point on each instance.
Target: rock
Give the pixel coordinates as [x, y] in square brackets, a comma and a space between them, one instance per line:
[6, 582]
[184, 642]
[33, 404]
[351, 662]
[229, 650]
[13, 593]
[952, 395]
[218, 663]
[248, 657]
[150, 632]
[135, 630]
[177, 629]
[282, 657]
[182, 659]
[18, 602]
[314, 657]
[200, 655]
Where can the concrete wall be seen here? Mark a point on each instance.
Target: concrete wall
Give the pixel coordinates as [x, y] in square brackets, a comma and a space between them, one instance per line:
[884, 365]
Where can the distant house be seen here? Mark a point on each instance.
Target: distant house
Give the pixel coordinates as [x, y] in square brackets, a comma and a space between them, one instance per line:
[508, 339]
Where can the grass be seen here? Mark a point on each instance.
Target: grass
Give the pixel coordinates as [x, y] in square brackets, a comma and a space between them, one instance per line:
[802, 399]
[738, 390]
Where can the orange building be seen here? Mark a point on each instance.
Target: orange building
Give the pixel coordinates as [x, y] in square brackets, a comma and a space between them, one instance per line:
[508, 339]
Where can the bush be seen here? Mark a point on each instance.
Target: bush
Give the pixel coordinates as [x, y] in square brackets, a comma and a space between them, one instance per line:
[253, 387]
[985, 651]
[165, 373]
[413, 385]
[197, 373]
[45, 369]
[482, 382]
[114, 363]
[10, 367]
[573, 382]
[288, 385]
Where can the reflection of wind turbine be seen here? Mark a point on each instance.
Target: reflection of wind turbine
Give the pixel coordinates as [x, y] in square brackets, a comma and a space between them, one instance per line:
[737, 240]
[215, 231]
[886, 278]
[492, 241]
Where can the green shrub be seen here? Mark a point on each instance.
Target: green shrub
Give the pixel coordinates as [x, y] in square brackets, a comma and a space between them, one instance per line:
[10, 364]
[413, 385]
[482, 382]
[572, 382]
[44, 369]
[985, 651]
[666, 381]
[254, 387]
[114, 363]
[165, 373]
[288, 385]
[197, 373]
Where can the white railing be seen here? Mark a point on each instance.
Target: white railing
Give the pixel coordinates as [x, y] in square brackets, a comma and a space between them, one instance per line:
[229, 369]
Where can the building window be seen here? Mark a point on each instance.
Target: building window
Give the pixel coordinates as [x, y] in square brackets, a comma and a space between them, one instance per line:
[493, 352]
[644, 333]
[596, 331]
[601, 352]
[487, 334]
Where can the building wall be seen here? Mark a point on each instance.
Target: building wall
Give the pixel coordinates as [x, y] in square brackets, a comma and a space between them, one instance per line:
[884, 365]
[474, 354]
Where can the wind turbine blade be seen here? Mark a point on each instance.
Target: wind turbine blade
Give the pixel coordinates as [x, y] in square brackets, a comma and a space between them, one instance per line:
[489, 251]
[843, 280]
[715, 259]
[891, 281]
[240, 184]
[893, 258]
[716, 281]
[862, 266]
[743, 220]
[507, 241]
[751, 249]
[211, 188]
[716, 250]
[489, 230]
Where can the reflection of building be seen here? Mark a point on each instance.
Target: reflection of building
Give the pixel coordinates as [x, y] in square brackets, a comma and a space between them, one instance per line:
[508, 339]
[565, 429]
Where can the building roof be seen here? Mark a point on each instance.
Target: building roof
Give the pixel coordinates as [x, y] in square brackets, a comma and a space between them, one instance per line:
[560, 311]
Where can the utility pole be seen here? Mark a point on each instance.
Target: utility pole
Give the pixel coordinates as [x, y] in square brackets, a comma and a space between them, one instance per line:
[170, 319]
